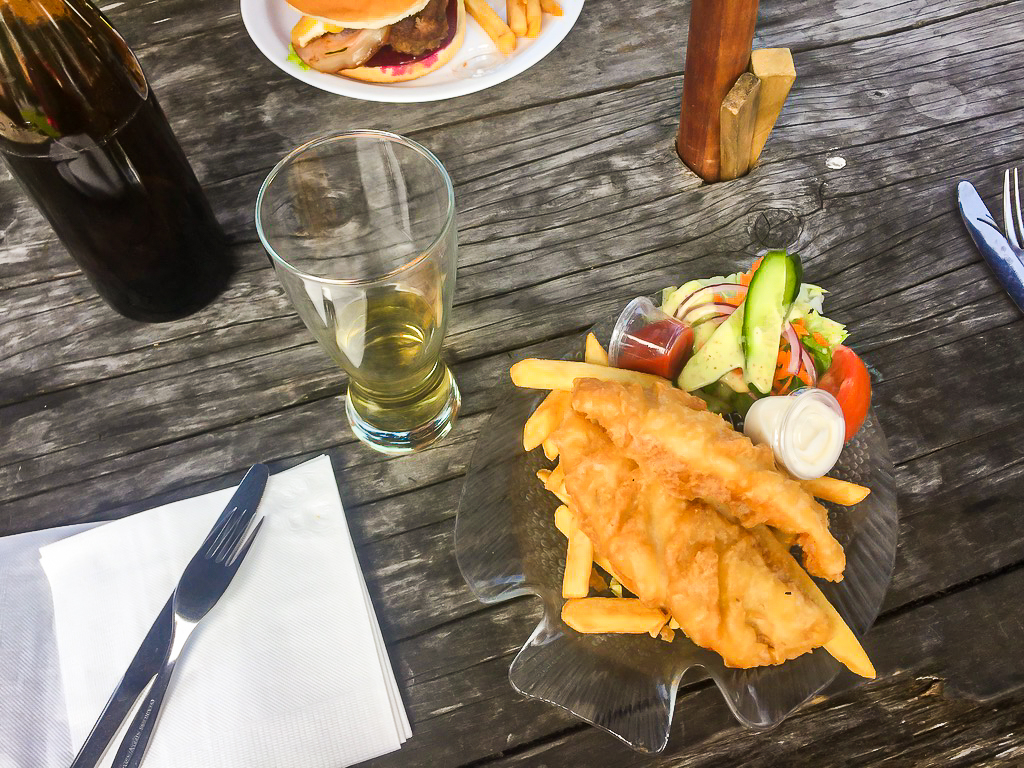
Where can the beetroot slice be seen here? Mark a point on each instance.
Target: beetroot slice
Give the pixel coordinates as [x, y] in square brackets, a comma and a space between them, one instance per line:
[389, 57]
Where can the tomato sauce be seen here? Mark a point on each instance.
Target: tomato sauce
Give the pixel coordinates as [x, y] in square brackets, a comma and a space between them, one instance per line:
[661, 348]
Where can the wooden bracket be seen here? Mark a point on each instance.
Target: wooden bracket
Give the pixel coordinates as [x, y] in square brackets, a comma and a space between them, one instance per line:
[738, 113]
[774, 68]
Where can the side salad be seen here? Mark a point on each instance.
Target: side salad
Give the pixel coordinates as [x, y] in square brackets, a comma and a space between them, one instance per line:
[763, 332]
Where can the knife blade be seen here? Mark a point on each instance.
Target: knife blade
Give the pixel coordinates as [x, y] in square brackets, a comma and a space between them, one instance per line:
[993, 246]
[152, 653]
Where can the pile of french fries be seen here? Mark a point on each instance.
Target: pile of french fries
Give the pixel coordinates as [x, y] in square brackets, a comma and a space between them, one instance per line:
[524, 20]
[583, 567]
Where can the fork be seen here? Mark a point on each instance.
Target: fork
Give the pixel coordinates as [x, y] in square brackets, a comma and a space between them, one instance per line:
[201, 585]
[1013, 222]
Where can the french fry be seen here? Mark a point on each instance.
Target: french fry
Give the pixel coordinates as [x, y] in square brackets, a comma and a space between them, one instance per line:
[655, 630]
[837, 491]
[667, 634]
[516, 12]
[624, 615]
[534, 373]
[543, 475]
[550, 449]
[504, 38]
[545, 419]
[673, 624]
[843, 645]
[593, 352]
[533, 17]
[551, 6]
[556, 480]
[560, 493]
[579, 562]
[563, 520]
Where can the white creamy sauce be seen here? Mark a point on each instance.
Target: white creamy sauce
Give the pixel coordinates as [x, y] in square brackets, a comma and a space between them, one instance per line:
[805, 430]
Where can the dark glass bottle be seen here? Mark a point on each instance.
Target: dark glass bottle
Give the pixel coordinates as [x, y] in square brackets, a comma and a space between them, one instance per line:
[85, 137]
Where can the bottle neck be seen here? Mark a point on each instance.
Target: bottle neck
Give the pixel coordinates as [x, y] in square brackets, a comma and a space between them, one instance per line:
[64, 71]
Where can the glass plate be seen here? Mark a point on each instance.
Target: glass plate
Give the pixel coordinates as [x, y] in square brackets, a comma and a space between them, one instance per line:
[507, 545]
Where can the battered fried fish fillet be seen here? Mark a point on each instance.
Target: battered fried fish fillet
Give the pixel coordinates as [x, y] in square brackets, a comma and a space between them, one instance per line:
[728, 593]
[697, 455]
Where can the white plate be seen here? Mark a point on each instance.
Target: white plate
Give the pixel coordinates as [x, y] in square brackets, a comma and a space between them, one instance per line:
[476, 66]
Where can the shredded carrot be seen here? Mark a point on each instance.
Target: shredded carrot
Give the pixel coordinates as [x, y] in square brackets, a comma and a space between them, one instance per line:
[733, 301]
[745, 277]
[785, 381]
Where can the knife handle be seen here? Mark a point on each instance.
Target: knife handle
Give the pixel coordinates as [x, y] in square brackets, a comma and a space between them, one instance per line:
[147, 662]
[1005, 261]
[136, 740]
[1008, 269]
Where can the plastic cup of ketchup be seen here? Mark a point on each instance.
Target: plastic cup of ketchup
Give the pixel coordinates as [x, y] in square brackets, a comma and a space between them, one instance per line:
[646, 339]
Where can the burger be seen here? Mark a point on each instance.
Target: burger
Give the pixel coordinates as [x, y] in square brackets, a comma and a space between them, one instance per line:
[379, 41]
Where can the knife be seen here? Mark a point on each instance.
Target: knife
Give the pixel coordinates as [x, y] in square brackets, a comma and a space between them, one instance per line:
[994, 247]
[152, 654]
[147, 662]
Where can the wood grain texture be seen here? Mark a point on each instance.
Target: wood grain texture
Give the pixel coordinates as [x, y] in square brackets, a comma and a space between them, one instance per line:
[571, 201]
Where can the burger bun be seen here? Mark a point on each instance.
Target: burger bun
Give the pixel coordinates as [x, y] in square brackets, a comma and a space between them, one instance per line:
[359, 14]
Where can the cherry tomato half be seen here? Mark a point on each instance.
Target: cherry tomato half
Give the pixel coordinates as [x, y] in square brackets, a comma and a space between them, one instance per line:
[849, 381]
[660, 348]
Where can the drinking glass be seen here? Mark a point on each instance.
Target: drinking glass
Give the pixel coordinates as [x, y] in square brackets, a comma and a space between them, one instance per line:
[360, 227]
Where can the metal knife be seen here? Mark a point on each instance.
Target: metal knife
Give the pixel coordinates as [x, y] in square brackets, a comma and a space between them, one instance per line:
[994, 247]
[152, 654]
[147, 662]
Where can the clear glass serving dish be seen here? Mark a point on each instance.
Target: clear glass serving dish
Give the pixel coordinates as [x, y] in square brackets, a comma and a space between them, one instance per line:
[507, 545]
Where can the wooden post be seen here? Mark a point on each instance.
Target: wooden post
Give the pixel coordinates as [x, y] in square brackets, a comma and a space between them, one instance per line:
[717, 53]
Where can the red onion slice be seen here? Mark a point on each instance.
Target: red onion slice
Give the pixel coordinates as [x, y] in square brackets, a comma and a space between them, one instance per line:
[704, 311]
[808, 362]
[707, 294]
[795, 346]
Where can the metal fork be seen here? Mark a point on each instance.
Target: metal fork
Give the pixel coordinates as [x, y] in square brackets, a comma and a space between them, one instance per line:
[1013, 221]
[201, 585]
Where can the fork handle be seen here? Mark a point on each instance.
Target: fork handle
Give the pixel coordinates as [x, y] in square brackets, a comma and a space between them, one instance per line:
[136, 740]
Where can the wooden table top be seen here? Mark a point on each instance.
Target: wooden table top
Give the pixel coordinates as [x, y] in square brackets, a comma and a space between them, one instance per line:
[571, 201]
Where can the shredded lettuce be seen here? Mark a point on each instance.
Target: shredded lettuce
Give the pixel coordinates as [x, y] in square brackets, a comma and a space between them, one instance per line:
[293, 57]
[834, 333]
[808, 308]
[615, 586]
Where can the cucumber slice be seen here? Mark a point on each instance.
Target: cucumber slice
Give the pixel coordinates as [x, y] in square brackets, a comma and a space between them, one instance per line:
[794, 278]
[772, 290]
[719, 355]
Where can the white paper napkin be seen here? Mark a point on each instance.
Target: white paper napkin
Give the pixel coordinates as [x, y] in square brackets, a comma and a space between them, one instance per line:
[287, 669]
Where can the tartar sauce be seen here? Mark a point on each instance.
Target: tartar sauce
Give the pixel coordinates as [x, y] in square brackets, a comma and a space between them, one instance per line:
[805, 430]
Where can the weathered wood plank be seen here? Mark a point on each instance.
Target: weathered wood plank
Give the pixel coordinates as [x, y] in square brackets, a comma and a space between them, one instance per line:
[479, 279]
[571, 203]
[194, 62]
[907, 718]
